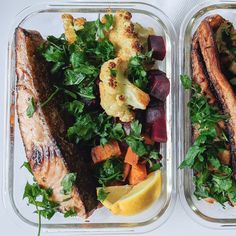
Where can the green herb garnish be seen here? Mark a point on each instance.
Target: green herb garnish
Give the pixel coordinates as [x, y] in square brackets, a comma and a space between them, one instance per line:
[102, 194]
[75, 107]
[136, 70]
[92, 126]
[70, 213]
[217, 184]
[113, 72]
[27, 166]
[135, 140]
[186, 82]
[104, 27]
[76, 68]
[110, 170]
[155, 166]
[31, 108]
[40, 199]
[147, 152]
[67, 183]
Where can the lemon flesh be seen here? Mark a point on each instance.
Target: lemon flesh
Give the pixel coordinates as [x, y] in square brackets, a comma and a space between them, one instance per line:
[115, 193]
[130, 200]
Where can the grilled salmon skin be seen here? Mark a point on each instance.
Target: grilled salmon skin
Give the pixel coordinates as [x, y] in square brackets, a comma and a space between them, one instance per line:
[50, 155]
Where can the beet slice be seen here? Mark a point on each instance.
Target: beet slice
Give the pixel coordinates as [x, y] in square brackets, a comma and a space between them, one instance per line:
[159, 130]
[159, 85]
[156, 116]
[156, 72]
[157, 44]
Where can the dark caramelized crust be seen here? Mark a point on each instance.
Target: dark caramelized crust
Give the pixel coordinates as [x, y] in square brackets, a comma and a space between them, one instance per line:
[49, 153]
[199, 74]
[215, 21]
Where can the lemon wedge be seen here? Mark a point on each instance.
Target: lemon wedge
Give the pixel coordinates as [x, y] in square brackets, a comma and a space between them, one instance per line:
[115, 193]
[129, 200]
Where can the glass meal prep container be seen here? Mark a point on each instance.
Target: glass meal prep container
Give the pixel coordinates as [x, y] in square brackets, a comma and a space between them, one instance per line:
[46, 18]
[211, 215]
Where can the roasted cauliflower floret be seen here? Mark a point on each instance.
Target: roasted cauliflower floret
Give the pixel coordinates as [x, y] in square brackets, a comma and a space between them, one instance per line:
[79, 23]
[118, 95]
[123, 36]
[143, 33]
[71, 25]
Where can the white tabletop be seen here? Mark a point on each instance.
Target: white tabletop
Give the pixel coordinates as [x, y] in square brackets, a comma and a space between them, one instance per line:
[179, 222]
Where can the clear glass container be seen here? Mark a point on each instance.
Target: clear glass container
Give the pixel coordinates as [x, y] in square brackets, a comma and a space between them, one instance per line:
[46, 18]
[211, 215]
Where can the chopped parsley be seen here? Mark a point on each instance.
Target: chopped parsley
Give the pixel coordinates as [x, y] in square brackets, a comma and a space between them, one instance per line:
[70, 213]
[110, 170]
[40, 198]
[203, 153]
[31, 108]
[113, 72]
[148, 152]
[135, 140]
[74, 107]
[27, 166]
[67, 183]
[104, 27]
[76, 67]
[94, 126]
[136, 70]
[102, 194]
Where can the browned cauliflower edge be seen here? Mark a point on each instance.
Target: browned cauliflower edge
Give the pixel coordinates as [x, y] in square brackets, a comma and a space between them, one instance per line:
[118, 95]
[123, 37]
[71, 25]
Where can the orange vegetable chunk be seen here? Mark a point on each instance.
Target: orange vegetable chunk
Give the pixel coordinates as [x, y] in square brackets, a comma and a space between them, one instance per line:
[131, 157]
[126, 171]
[137, 174]
[103, 152]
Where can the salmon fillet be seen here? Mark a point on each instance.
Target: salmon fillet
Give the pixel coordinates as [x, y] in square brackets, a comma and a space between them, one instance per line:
[49, 153]
[199, 72]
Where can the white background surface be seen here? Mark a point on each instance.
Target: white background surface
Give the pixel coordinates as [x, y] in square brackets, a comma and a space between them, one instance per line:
[179, 222]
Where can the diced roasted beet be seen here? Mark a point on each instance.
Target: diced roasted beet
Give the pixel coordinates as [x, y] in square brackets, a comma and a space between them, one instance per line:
[159, 85]
[156, 72]
[156, 116]
[154, 111]
[157, 44]
[159, 130]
